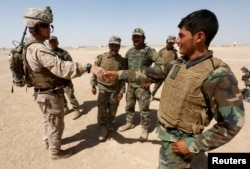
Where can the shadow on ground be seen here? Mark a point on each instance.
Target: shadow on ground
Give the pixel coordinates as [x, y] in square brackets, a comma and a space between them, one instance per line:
[88, 137]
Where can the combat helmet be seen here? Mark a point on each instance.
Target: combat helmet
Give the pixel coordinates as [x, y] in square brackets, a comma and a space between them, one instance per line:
[35, 16]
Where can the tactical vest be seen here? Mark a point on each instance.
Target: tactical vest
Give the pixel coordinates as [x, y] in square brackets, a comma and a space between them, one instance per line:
[110, 63]
[44, 78]
[168, 55]
[183, 105]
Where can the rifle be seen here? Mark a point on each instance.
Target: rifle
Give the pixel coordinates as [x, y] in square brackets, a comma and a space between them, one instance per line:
[16, 62]
[20, 46]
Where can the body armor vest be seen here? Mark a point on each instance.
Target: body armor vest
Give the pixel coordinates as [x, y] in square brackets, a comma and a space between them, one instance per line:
[168, 55]
[110, 63]
[44, 78]
[183, 105]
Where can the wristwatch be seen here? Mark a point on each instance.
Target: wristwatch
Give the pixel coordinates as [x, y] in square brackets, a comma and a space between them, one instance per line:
[89, 67]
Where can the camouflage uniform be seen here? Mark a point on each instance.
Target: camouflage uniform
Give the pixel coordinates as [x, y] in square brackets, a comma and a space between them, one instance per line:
[219, 98]
[136, 59]
[107, 97]
[69, 88]
[42, 62]
[167, 54]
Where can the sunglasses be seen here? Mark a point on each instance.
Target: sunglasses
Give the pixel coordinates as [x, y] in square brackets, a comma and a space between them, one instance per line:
[44, 25]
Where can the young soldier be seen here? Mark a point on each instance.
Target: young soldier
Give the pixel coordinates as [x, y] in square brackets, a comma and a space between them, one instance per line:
[139, 56]
[110, 93]
[198, 87]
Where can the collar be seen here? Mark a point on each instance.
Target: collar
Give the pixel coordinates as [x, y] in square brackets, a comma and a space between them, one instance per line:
[197, 60]
[109, 55]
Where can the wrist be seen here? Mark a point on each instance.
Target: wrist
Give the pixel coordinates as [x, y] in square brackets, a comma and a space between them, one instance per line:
[88, 67]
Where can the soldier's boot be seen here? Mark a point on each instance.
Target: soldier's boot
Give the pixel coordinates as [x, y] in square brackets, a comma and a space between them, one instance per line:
[61, 154]
[126, 126]
[111, 127]
[77, 113]
[104, 133]
[66, 109]
[144, 135]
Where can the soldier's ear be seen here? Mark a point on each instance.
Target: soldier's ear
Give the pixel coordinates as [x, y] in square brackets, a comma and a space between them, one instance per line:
[200, 37]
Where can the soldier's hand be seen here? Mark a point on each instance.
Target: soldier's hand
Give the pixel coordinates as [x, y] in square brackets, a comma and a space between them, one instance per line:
[119, 96]
[93, 90]
[180, 147]
[98, 71]
[145, 85]
[111, 75]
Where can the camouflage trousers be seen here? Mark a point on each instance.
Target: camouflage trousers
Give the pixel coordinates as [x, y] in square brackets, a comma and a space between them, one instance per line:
[69, 91]
[51, 105]
[170, 160]
[107, 103]
[143, 98]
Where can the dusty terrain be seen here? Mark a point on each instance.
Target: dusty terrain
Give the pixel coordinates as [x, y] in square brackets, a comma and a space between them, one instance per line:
[21, 124]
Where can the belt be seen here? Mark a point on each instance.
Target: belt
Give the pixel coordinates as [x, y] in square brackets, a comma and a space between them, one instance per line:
[44, 90]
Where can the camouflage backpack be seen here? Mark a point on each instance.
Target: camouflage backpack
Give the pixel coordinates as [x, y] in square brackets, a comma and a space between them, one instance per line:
[18, 65]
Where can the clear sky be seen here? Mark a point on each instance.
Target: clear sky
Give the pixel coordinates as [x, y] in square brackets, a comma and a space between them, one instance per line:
[92, 22]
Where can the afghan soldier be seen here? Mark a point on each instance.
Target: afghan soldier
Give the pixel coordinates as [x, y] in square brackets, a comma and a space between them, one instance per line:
[110, 93]
[47, 73]
[139, 56]
[69, 88]
[167, 54]
[198, 88]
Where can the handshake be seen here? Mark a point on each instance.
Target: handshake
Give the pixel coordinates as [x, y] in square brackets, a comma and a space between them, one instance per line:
[104, 75]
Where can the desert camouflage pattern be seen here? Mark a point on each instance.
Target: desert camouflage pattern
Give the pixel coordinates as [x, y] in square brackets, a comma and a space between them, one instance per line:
[34, 16]
[39, 57]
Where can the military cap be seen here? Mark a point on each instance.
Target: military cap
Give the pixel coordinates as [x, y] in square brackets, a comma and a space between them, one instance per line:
[115, 40]
[53, 38]
[171, 39]
[138, 31]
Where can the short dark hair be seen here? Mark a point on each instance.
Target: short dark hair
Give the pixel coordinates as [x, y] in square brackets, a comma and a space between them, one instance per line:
[201, 20]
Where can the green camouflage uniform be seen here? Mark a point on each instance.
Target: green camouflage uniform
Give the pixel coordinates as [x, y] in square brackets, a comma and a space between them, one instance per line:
[69, 88]
[226, 107]
[136, 59]
[107, 101]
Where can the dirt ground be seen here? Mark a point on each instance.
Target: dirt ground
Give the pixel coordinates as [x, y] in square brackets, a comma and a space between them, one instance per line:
[21, 124]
